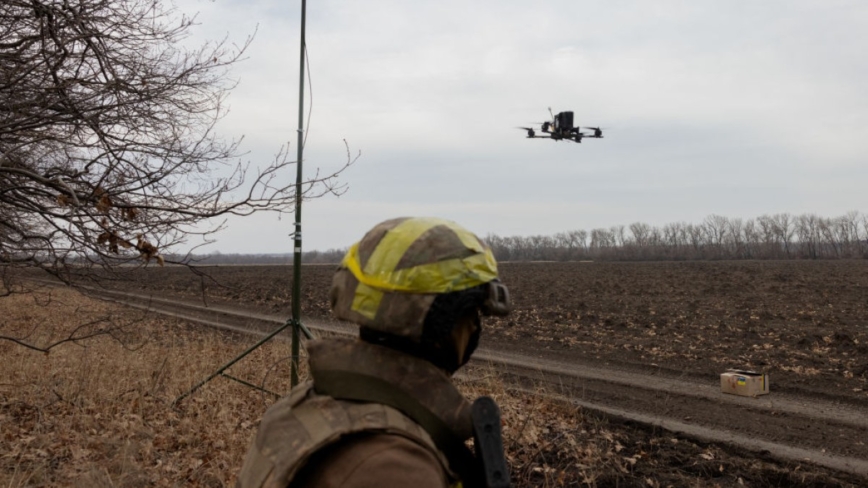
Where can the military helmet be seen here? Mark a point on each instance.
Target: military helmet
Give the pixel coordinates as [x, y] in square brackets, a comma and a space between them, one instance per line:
[388, 281]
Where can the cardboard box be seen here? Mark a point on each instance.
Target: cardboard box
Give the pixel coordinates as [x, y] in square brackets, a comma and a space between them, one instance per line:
[744, 383]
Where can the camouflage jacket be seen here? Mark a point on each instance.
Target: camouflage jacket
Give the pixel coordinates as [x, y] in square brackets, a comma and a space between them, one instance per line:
[359, 388]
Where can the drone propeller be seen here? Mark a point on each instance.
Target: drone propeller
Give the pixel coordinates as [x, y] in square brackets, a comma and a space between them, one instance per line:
[598, 131]
[530, 132]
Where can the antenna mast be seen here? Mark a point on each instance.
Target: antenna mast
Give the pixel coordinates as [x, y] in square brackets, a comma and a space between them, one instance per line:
[296, 263]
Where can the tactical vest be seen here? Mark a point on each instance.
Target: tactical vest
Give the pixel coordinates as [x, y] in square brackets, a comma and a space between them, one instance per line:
[359, 387]
[303, 423]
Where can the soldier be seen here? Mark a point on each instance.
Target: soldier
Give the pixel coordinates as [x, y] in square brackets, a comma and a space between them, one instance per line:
[382, 411]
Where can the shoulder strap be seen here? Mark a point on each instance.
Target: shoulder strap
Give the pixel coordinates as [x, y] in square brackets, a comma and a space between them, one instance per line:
[348, 385]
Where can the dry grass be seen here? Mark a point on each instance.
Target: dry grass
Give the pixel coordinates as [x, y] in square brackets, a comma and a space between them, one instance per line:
[97, 413]
[552, 443]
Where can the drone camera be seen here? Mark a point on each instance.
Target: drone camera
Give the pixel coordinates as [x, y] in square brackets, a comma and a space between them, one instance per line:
[565, 120]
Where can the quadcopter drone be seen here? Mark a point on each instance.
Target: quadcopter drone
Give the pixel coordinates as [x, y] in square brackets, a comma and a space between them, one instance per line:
[561, 127]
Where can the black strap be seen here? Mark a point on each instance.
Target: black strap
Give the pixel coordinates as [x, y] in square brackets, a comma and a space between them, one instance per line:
[489, 442]
[349, 385]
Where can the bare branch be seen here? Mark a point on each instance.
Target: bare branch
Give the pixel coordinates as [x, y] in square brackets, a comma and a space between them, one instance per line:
[108, 150]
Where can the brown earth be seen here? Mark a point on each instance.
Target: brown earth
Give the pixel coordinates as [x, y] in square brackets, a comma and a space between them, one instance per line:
[802, 322]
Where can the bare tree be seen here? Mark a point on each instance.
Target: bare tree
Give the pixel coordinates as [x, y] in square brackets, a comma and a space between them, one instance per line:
[716, 227]
[863, 238]
[567, 244]
[829, 239]
[619, 234]
[672, 240]
[735, 238]
[784, 228]
[601, 241]
[770, 236]
[634, 247]
[581, 238]
[806, 229]
[860, 240]
[107, 136]
[751, 238]
[848, 230]
[697, 240]
[838, 230]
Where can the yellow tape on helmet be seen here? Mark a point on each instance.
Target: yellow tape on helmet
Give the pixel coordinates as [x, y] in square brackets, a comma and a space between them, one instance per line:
[438, 277]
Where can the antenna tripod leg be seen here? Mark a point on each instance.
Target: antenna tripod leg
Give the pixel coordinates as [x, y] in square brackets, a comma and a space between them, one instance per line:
[289, 323]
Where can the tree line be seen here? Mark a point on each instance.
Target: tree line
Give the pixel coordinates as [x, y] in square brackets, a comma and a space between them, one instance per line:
[778, 236]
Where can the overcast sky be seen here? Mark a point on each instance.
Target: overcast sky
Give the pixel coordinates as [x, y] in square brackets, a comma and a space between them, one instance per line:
[737, 108]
